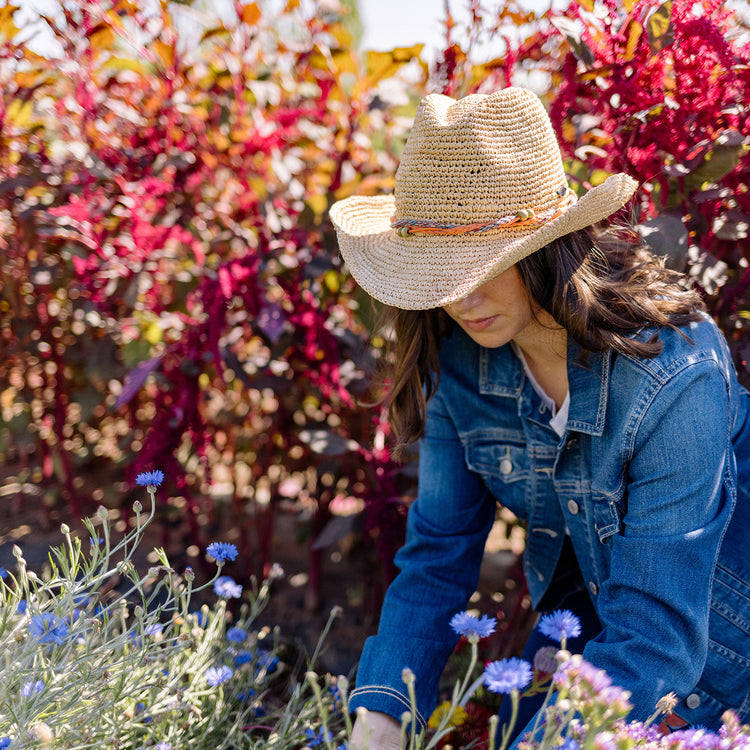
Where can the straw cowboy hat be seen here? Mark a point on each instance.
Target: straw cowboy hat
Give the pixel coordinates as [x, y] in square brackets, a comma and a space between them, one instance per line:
[480, 186]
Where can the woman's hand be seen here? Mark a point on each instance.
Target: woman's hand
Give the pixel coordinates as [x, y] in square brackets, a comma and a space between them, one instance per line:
[376, 731]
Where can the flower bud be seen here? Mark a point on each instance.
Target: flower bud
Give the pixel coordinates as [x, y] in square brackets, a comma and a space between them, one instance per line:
[41, 732]
[32, 576]
[189, 574]
[138, 611]
[17, 552]
[137, 507]
[407, 676]
[153, 572]
[406, 718]
[65, 529]
[103, 513]
[342, 683]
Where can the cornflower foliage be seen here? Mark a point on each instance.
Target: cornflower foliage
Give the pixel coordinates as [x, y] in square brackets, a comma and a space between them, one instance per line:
[97, 654]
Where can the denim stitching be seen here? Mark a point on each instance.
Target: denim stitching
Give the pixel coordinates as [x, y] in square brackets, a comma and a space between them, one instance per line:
[390, 692]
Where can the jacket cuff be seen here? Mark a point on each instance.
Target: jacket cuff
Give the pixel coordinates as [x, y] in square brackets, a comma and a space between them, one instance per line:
[379, 682]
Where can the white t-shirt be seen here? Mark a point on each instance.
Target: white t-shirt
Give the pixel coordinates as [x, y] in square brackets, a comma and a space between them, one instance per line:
[559, 416]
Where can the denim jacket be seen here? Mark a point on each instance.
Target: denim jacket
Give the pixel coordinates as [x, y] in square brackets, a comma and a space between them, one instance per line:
[654, 460]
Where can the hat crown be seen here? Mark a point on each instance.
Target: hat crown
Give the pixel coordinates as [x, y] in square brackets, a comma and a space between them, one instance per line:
[478, 159]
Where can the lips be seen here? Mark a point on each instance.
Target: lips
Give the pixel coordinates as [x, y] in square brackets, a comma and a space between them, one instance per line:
[480, 324]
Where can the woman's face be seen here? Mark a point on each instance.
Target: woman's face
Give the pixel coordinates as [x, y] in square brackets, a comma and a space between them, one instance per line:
[499, 311]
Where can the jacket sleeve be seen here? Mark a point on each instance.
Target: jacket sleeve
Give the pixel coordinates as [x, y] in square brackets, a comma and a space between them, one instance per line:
[679, 496]
[439, 565]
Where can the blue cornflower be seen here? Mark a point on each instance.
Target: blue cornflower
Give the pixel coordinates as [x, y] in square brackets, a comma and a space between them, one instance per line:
[242, 657]
[267, 659]
[23, 605]
[153, 629]
[3, 572]
[314, 738]
[473, 628]
[32, 687]
[570, 744]
[507, 675]
[94, 541]
[150, 478]
[222, 551]
[227, 587]
[201, 618]
[560, 625]
[236, 635]
[46, 628]
[216, 675]
[164, 745]
[4, 742]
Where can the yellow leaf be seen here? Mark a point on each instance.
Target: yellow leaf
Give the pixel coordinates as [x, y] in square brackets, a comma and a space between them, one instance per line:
[659, 27]
[598, 176]
[153, 333]
[331, 280]
[251, 14]
[345, 62]
[19, 112]
[635, 34]
[116, 64]
[318, 203]
[8, 29]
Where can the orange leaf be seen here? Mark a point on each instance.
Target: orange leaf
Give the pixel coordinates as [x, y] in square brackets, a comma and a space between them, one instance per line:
[251, 14]
[8, 29]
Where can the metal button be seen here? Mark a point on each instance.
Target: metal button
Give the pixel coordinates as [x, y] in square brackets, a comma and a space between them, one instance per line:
[573, 507]
[593, 588]
[506, 466]
[693, 700]
[572, 443]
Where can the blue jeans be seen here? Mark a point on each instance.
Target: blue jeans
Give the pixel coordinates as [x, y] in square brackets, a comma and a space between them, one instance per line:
[580, 604]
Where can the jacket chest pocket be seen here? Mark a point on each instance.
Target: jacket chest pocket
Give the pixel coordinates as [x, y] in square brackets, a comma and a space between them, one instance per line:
[499, 463]
[607, 515]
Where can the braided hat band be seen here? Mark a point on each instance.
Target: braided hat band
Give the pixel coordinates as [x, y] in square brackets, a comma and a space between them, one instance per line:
[481, 185]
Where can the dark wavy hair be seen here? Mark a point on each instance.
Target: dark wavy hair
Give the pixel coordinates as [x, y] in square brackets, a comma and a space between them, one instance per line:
[601, 284]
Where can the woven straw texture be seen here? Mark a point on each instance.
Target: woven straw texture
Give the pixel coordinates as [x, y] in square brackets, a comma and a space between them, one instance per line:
[466, 162]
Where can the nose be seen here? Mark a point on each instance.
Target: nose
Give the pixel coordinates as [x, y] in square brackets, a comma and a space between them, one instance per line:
[467, 303]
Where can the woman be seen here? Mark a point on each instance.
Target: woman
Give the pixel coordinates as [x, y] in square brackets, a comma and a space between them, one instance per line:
[549, 363]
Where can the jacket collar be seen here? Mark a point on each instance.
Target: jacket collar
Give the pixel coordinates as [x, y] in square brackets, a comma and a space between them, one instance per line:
[501, 374]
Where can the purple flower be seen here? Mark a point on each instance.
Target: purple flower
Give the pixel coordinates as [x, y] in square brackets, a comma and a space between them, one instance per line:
[31, 688]
[236, 635]
[507, 675]
[227, 587]
[46, 628]
[222, 551]
[164, 745]
[471, 627]
[570, 744]
[696, 739]
[560, 625]
[216, 675]
[4, 742]
[155, 628]
[150, 478]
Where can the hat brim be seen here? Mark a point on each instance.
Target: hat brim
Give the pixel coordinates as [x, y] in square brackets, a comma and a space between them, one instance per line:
[420, 272]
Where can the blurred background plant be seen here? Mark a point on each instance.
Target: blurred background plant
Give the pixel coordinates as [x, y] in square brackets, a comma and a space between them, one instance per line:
[171, 292]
